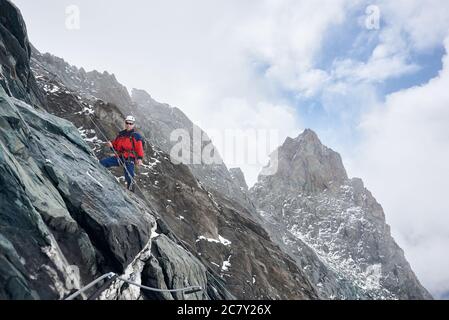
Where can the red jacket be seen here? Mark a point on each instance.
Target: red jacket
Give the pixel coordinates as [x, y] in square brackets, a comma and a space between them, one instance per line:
[129, 144]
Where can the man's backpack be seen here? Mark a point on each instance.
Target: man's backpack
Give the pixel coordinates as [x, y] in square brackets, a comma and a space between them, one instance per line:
[132, 141]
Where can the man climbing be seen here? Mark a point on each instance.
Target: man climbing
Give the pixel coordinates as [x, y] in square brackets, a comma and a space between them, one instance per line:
[128, 146]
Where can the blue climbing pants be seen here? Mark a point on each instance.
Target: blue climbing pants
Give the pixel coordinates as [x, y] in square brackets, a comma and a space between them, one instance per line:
[115, 162]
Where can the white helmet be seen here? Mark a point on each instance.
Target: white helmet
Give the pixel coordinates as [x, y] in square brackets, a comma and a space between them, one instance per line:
[130, 119]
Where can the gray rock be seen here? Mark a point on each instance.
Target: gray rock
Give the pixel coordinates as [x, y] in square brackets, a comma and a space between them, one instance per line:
[54, 188]
[173, 267]
[16, 77]
[13, 274]
[93, 85]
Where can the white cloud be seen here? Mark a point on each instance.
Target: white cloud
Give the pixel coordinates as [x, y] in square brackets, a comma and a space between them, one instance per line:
[425, 22]
[407, 27]
[380, 67]
[389, 59]
[404, 159]
[288, 35]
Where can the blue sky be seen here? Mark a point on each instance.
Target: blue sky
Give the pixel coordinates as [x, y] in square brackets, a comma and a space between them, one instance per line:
[351, 40]
[343, 43]
[376, 96]
[430, 64]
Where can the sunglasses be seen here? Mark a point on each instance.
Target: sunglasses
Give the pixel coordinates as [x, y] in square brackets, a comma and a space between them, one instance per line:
[129, 123]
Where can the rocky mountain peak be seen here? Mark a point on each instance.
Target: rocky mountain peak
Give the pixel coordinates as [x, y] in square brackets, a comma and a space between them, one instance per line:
[13, 21]
[310, 136]
[140, 96]
[92, 84]
[311, 208]
[304, 163]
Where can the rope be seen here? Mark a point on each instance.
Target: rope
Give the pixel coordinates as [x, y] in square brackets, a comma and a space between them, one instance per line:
[110, 275]
[90, 285]
[160, 290]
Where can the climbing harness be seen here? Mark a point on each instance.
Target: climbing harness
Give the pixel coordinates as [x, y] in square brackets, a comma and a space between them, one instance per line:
[111, 276]
[90, 285]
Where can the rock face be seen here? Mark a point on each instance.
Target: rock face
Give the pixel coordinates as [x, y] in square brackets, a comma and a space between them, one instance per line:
[16, 77]
[168, 262]
[93, 85]
[311, 204]
[304, 164]
[57, 207]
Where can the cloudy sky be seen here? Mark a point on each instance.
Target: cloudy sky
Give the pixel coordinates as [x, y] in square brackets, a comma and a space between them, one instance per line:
[375, 90]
